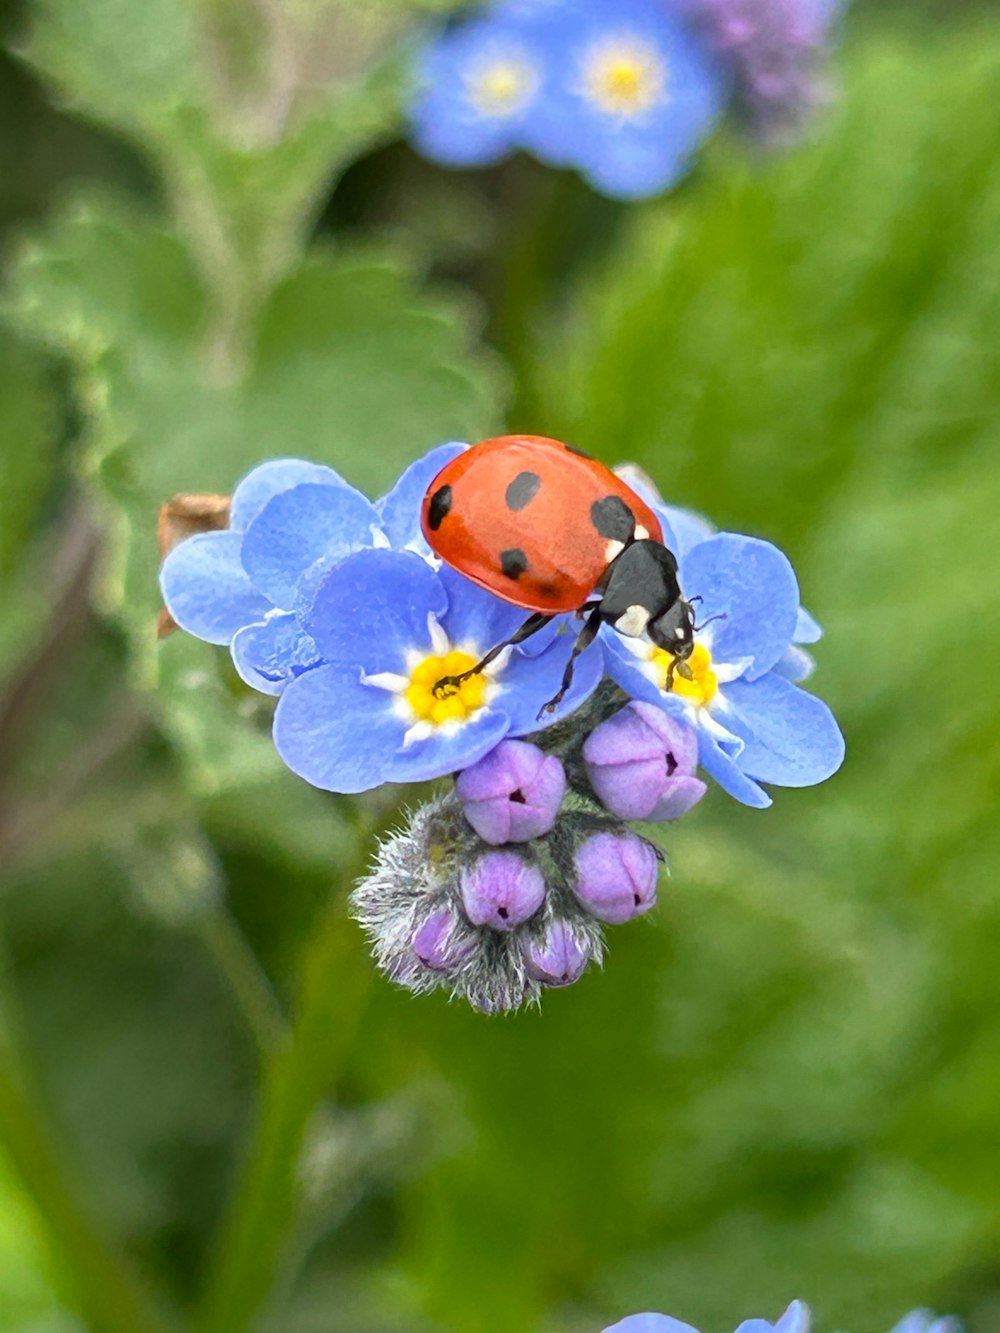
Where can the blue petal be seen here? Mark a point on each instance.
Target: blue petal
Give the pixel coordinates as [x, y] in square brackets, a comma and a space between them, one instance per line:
[373, 608]
[270, 479]
[268, 655]
[442, 137]
[807, 630]
[334, 731]
[790, 737]
[687, 528]
[300, 534]
[650, 1323]
[682, 528]
[752, 583]
[795, 664]
[400, 509]
[923, 1321]
[796, 1319]
[628, 168]
[207, 590]
[446, 751]
[718, 765]
[528, 683]
[478, 620]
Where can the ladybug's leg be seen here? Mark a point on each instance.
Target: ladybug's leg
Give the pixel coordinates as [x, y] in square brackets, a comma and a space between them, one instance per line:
[583, 641]
[536, 621]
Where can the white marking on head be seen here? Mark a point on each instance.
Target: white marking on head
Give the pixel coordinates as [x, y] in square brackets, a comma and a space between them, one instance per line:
[633, 622]
[642, 534]
[612, 550]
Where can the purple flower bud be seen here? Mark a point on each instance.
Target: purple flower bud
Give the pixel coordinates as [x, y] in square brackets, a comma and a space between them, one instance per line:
[641, 764]
[501, 890]
[513, 794]
[616, 876]
[439, 944]
[559, 958]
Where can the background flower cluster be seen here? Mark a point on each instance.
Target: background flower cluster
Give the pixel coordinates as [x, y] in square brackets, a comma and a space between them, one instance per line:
[625, 93]
[796, 1319]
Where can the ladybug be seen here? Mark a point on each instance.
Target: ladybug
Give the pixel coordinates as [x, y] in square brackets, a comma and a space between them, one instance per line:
[544, 526]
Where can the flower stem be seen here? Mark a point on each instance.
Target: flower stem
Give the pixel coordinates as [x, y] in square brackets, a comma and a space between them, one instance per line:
[110, 1294]
[251, 988]
[298, 1074]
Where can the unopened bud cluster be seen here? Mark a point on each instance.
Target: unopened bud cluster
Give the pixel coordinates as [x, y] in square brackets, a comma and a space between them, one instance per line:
[501, 888]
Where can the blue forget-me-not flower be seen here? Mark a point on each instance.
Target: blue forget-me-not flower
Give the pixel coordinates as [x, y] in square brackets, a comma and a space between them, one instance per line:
[290, 522]
[624, 93]
[503, 884]
[796, 1319]
[388, 627]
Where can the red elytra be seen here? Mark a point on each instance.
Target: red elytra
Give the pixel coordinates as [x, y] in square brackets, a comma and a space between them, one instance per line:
[533, 520]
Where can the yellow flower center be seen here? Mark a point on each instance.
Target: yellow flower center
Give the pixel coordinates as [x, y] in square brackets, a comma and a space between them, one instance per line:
[502, 86]
[624, 76]
[702, 683]
[438, 703]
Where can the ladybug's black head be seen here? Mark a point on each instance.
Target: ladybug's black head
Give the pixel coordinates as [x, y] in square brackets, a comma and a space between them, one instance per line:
[673, 630]
[642, 595]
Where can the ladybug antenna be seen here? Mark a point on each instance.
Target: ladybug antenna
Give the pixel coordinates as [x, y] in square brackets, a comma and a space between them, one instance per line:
[720, 616]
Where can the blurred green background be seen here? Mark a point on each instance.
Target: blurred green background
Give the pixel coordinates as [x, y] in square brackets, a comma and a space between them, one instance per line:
[787, 1082]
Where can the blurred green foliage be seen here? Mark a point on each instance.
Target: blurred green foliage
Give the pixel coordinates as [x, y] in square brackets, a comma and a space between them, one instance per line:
[787, 1082]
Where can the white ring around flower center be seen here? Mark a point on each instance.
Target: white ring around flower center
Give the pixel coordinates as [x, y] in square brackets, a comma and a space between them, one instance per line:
[624, 75]
[501, 82]
[397, 684]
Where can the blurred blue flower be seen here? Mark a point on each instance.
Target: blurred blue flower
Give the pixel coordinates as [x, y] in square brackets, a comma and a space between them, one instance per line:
[754, 724]
[388, 627]
[290, 522]
[923, 1321]
[796, 1319]
[624, 93]
[478, 83]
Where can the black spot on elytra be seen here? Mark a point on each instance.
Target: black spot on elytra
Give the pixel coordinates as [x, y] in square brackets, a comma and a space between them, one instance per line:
[514, 562]
[580, 453]
[440, 507]
[522, 490]
[613, 519]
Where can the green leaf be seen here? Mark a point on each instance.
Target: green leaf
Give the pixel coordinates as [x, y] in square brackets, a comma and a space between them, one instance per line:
[29, 432]
[248, 112]
[29, 436]
[349, 365]
[26, 1277]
